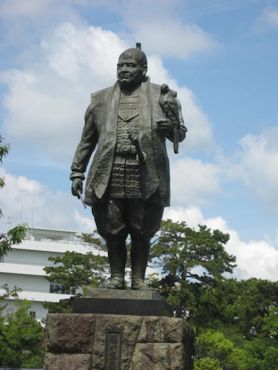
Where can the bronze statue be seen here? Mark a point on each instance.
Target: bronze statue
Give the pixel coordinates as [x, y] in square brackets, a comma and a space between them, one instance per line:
[128, 183]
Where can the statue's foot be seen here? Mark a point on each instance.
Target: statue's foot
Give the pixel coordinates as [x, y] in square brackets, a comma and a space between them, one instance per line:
[116, 282]
[139, 284]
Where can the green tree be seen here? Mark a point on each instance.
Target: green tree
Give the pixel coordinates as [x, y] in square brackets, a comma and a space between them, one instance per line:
[270, 324]
[16, 234]
[270, 361]
[21, 338]
[181, 250]
[192, 263]
[247, 304]
[73, 270]
[13, 236]
[94, 240]
[235, 321]
[4, 150]
[207, 363]
[264, 346]
[214, 346]
[247, 316]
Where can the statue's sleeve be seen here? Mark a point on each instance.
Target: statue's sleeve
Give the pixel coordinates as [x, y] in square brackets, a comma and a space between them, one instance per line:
[86, 146]
[182, 128]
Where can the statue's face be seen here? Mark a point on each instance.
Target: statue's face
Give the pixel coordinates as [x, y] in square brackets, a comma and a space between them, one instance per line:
[129, 72]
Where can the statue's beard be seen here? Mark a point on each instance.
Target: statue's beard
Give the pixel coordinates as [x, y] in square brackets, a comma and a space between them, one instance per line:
[127, 82]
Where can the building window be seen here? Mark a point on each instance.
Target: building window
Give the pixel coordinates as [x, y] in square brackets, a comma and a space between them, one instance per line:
[56, 288]
[33, 314]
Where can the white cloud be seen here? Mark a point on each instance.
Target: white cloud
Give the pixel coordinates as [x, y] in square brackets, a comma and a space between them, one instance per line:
[192, 215]
[173, 38]
[255, 258]
[255, 164]
[34, 10]
[193, 182]
[161, 29]
[159, 26]
[26, 8]
[46, 101]
[84, 54]
[86, 223]
[24, 22]
[27, 201]
[200, 135]
[267, 20]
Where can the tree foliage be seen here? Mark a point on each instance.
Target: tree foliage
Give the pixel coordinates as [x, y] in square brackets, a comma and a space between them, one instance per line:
[21, 338]
[186, 254]
[95, 240]
[16, 234]
[13, 236]
[73, 270]
[247, 318]
[4, 150]
[235, 321]
[214, 346]
[192, 263]
[247, 303]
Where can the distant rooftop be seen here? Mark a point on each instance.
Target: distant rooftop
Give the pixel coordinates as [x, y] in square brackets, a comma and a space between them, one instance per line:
[51, 234]
[56, 241]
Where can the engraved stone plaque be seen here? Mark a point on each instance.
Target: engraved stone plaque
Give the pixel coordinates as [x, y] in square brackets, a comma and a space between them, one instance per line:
[113, 348]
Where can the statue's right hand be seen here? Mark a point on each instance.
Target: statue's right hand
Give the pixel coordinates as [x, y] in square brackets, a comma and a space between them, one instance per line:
[77, 187]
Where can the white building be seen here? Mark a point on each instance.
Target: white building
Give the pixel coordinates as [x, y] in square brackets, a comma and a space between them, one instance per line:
[23, 267]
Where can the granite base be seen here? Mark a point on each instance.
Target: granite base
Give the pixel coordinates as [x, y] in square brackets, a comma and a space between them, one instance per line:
[117, 342]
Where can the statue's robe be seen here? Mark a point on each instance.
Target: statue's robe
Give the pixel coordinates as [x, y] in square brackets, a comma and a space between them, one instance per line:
[100, 131]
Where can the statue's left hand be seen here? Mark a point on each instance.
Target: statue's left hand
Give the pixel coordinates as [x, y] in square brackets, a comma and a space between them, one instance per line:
[77, 187]
[164, 126]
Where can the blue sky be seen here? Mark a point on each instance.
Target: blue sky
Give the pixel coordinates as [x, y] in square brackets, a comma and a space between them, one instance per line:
[220, 56]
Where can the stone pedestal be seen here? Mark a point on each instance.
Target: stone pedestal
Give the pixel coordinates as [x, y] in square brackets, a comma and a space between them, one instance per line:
[93, 341]
[122, 302]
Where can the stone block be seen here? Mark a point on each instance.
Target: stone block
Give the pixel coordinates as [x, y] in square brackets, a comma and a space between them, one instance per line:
[117, 342]
[174, 329]
[162, 329]
[158, 356]
[122, 294]
[66, 361]
[128, 326]
[138, 307]
[69, 333]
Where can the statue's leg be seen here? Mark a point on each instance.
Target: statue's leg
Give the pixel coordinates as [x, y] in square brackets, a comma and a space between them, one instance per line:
[144, 222]
[110, 225]
[117, 260]
[139, 255]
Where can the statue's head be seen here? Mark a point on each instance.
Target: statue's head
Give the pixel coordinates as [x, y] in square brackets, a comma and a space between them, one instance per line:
[132, 67]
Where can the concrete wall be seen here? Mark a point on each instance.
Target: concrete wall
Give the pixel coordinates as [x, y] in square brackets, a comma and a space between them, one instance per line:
[25, 282]
[29, 257]
[41, 312]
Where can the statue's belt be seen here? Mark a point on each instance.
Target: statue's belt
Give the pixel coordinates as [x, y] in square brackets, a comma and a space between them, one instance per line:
[126, 157]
